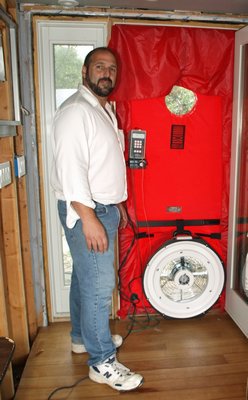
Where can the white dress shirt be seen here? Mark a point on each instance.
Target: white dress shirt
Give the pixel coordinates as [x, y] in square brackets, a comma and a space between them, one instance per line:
[89, 164]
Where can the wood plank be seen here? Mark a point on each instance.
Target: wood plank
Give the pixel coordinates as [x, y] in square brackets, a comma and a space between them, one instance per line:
[18, 327]
[12, 267]
[7, 386]
[3, 311]
[6, 95]
[25, 242]
[198, 359]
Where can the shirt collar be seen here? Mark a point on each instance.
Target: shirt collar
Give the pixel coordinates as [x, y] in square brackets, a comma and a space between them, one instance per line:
[89, 96]
[86, 93]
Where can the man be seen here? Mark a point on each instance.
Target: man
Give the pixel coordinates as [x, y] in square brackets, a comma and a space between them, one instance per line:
[89, 180]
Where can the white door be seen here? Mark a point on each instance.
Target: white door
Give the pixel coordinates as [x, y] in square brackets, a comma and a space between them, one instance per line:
[62, 47]
[237, 264]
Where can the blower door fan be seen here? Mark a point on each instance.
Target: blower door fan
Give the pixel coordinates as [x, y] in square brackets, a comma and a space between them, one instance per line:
[184, 278]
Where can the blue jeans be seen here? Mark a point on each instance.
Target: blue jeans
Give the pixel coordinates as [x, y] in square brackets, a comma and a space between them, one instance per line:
[92, 284]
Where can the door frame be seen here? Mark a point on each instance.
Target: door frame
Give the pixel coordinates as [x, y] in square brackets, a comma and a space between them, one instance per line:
[235, 305]
[48, 33]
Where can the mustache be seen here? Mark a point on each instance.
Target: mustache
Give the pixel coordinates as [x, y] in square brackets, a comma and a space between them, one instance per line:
[105, 80]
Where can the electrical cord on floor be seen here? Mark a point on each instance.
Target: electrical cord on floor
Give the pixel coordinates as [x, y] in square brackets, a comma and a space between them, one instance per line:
[141, 324]
[130, 329]
[66, 387]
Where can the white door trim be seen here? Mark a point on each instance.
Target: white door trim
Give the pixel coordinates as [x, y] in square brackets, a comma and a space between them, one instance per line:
[235, 304]
[51, 32]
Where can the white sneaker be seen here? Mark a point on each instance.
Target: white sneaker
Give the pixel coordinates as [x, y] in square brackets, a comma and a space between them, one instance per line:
[122, 367]
[111, 374]
[80, 348]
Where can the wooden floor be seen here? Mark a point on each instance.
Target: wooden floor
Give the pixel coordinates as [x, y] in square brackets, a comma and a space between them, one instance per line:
[205, 358]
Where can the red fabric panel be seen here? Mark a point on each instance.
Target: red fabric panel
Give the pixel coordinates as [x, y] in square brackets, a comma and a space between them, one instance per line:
[190, 178]
[152, 60]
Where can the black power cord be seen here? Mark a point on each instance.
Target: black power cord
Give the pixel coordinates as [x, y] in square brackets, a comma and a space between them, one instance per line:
[133, 299]
[66, 387]
[123, 262]
[138, 323]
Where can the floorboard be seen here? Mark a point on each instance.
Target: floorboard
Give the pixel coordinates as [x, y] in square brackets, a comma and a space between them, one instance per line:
[204, 358]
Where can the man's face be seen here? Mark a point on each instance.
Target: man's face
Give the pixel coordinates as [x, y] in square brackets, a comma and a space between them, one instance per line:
[100, 76]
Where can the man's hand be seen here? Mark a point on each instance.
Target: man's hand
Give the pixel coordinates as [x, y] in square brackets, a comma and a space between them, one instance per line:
[123, 214]
[93, 230]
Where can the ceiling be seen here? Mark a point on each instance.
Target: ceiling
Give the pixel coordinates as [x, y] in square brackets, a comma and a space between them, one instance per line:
[236, 7]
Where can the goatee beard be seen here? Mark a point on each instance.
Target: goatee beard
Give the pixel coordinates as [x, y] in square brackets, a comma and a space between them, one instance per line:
[99, 91]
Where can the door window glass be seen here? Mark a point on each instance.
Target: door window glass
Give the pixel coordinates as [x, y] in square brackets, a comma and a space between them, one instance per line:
[68, 61]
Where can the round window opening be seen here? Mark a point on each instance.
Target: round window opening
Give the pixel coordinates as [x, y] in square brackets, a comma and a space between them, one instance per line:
[180, 101]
